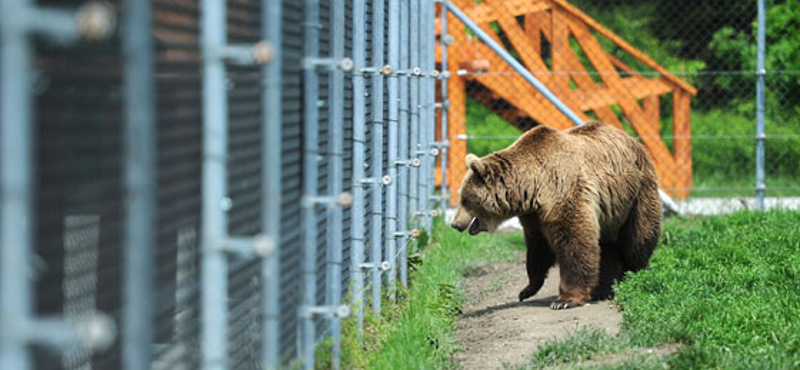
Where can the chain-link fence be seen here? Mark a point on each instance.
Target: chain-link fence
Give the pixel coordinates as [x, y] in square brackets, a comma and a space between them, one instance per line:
[680, 76]
[208, 183]
[217, 184]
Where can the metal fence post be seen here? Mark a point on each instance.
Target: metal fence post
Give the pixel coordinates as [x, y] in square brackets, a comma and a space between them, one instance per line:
[376, 165]
[414, 112]
[310, 163]
[335, 176]
[403, 151]
[424, 113]
[358, 230]
[215, 203]
[140, 184]
[443, 42]
[761, 73]
[430, 67]
[392, 239]
[271, 208]
[16, 178]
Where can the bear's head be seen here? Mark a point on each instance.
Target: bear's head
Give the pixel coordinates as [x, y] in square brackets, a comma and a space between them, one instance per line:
[483, 205]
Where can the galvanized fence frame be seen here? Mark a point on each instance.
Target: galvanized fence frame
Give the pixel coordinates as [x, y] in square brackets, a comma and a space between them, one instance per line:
[370, 187]
[392, 50]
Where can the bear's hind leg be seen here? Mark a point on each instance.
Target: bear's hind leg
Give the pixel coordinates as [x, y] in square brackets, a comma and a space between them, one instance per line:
[610, 271]
[538, 261]
[639, 235]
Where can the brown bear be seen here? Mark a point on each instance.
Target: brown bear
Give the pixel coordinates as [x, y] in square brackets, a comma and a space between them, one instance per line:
[587, 198]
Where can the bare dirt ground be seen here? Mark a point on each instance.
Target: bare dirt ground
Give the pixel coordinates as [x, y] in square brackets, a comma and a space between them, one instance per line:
[496, 330]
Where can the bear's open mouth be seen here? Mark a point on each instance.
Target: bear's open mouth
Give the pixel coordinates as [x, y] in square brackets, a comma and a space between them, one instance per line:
[474, 226]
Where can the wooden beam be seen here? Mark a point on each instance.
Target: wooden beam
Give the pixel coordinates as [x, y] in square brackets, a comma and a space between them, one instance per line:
[649, 135]
[651, 106]
[481, 13]
[534, 23]
[560, 52]
[682, 143]
[624, 45]
[602, 96]
[515, 90]
[457, 112]
[527, 53]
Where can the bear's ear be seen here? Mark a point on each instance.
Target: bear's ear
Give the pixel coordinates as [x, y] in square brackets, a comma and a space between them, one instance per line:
[474, 163]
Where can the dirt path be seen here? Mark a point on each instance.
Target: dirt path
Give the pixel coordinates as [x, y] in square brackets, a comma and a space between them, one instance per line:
[496, 329]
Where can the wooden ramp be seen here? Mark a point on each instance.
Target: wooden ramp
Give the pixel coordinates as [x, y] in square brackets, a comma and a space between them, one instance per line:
[580, 61]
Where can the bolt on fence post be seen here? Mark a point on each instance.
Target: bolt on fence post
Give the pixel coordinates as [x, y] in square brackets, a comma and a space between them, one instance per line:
[214, 273]
[358, 230]
[140, 184]
[392, 155]
[443, 137]
[16, 179]
[376, 200]
[414, 136]
[761, 72]
[310, 163]
[271, 182]
[403, 151]
[335, 176]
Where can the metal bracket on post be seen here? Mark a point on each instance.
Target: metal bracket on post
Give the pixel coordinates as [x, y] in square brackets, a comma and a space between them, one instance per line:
[433, 152]
[245, 54]
[416, 162]
[341, 312]
[413, 234]
[382, 181]
[440, 144]
[381, 267]
[343, 200]
[413, 72]
[258, 246]
[447, 39]
[344, 64]
[445, 105]
[96, 331]
[386, 70]
[93, 21]
[431, 213]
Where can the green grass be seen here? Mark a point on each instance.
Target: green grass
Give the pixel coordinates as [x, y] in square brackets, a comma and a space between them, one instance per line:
[418, 332]
[726, 288]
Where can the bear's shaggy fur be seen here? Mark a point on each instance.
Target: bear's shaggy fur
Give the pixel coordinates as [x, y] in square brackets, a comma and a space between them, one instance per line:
[586, 197]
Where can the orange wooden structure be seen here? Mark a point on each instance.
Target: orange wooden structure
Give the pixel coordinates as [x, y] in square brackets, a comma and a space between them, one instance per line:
[562, 47]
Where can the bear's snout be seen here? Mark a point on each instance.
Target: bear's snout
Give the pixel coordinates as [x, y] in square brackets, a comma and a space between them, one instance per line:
[461, 220]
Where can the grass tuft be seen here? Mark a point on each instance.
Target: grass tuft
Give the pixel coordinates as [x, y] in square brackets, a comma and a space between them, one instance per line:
[418, 332]
[726, 288]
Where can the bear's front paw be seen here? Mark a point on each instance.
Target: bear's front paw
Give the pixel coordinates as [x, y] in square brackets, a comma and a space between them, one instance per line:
[528, 292]
[563, 304]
